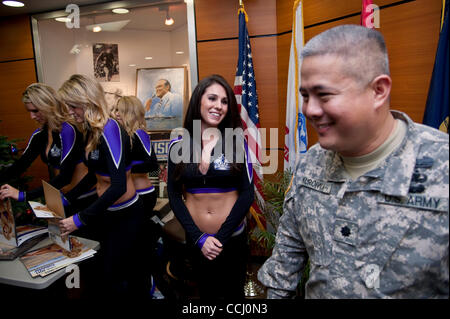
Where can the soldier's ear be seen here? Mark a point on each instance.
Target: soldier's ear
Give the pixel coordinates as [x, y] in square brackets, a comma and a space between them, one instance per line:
[381, 87]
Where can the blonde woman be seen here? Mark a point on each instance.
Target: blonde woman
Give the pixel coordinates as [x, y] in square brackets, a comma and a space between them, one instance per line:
[129, 112]
[57, 141]
[107, 155]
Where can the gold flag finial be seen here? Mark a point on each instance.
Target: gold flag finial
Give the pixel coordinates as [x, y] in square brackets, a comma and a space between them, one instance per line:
[242, 9]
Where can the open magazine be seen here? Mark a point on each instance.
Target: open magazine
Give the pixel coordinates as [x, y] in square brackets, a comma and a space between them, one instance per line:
[15, 239]
[46, 260]
[53, 211]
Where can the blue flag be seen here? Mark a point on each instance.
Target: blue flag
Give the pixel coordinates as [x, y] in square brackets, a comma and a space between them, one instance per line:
[437, 109]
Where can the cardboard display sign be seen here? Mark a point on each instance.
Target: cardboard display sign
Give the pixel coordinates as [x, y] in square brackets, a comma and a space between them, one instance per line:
[53, 211]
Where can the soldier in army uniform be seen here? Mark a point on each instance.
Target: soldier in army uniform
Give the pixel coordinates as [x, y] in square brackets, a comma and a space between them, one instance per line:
[368, 204]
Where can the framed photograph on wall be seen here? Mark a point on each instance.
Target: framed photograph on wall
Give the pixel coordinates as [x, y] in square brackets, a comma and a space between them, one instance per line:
[106, 62]
[162, 92]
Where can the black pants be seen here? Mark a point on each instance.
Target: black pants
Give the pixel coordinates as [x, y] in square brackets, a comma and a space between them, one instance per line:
[124, 256]
[152, 232]
[90, 231]
[223, 277]
[149, 200]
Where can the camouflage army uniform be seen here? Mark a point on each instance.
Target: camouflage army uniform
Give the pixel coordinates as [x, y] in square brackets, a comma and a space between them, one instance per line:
[384, 235]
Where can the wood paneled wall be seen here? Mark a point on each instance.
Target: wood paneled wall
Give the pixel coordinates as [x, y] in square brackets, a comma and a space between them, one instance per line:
[410, 28]
[17, 71]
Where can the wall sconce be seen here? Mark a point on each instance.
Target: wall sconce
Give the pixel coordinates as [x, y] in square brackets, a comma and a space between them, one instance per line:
[169, 19]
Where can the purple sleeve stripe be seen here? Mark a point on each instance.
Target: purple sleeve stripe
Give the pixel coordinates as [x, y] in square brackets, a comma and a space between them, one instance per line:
[77, 221]
[210, 190]
[21, 197]
[68, 137]
[145, 140]
[113, 138]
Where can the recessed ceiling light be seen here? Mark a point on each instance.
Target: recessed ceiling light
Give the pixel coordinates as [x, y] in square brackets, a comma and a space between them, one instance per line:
[109, 26]
[97, 28]
[179, 52]
[16, 4]
[120, 10]
[148, 58]
[131, 64]
[63, 19]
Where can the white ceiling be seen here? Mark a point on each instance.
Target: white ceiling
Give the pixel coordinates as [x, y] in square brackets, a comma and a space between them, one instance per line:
[39, 6]
[143, 15]
[142, 18]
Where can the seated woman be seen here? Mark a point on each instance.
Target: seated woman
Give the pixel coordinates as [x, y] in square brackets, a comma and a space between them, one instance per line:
[118, 208]
[57, 141]
[217, 192]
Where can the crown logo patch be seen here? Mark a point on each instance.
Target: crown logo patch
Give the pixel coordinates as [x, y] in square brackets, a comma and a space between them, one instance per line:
[221, 163]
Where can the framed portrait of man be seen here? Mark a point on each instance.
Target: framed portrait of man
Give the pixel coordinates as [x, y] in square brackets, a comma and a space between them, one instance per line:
[162, 92]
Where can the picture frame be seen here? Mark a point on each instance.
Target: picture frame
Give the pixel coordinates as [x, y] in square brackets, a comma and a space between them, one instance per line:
[163, 93]
[106, 62]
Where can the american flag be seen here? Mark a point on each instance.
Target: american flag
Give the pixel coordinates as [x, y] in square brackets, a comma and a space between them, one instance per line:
[247, 99]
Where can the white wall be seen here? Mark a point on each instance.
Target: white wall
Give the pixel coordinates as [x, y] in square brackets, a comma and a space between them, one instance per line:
[58, 64]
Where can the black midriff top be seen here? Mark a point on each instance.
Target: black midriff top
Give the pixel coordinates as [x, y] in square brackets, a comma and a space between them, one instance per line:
[110, 158]
[143, 157]
[219, 178]
[64, 154]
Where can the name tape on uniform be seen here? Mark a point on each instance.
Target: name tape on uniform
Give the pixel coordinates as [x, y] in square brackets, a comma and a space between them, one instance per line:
[417, 201]
[317, 185]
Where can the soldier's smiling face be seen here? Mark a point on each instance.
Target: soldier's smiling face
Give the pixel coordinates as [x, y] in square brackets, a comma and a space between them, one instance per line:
[336, 105]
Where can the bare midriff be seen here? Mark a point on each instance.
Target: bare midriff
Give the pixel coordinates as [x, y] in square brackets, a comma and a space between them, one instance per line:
[79, 172]
[104, 182]
[141, 180]
[210, 210]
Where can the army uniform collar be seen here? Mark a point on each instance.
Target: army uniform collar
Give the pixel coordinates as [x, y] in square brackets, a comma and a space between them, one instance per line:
[393, 183]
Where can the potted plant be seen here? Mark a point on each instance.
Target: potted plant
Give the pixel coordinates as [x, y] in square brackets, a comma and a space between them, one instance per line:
[274, 191]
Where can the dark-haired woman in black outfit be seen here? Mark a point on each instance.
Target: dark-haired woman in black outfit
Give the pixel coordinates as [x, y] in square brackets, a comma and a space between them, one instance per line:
[217, 188]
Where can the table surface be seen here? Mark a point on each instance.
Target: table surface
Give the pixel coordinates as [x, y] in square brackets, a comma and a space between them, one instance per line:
[13, 272]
